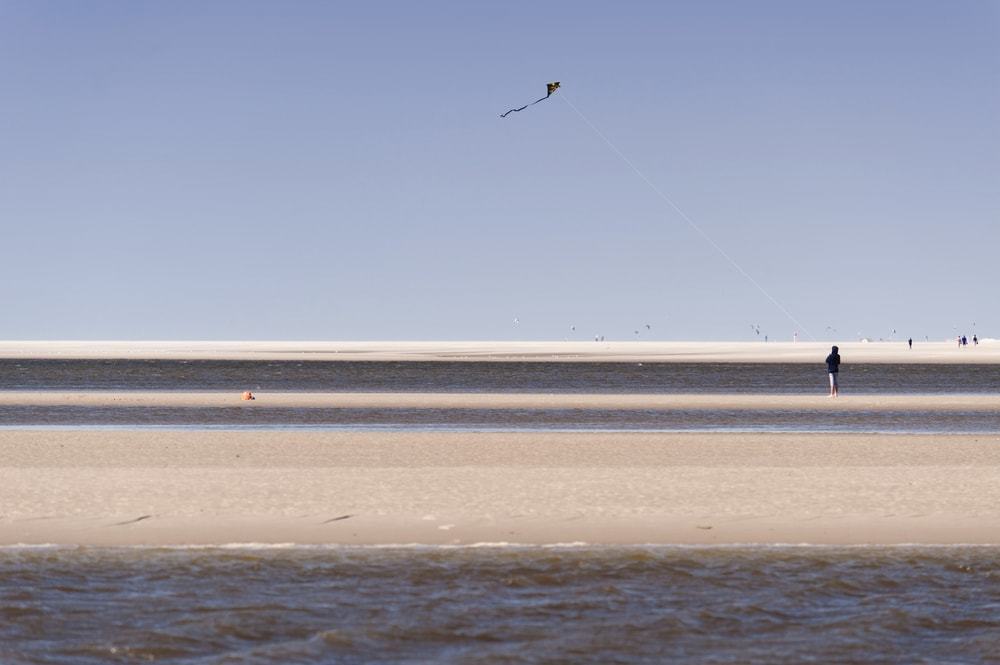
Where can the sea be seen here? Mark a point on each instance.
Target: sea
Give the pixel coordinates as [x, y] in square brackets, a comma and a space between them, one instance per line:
[498, 602]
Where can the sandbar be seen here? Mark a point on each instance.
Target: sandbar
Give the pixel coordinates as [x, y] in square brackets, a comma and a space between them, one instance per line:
[191, 487]
[607, 401]
[897, 351]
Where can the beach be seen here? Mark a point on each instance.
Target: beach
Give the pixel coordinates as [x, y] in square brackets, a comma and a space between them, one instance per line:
[425, 502]
[988, 351]
[160, 487]
[179, 466]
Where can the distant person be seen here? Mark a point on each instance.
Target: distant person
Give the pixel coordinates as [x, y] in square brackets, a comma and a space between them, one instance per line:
[975, 340]
[910, 342]
[833, 368]
[965, 340]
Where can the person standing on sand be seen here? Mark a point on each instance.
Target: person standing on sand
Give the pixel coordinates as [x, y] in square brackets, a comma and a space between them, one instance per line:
[833, 367]
[910, 342]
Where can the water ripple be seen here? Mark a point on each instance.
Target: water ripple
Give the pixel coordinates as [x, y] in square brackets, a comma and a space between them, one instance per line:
[506, 604]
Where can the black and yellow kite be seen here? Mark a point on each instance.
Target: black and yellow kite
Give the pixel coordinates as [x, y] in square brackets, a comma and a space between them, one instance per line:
[549, 89]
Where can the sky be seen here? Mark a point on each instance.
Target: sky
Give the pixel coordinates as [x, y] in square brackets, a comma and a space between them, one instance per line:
[339, 170]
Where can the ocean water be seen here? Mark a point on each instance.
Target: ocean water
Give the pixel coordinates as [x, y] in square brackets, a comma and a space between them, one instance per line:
[488, 377]
[240, 416]
[501, 605]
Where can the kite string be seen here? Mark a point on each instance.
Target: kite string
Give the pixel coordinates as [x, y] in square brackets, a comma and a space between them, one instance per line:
[687, 219]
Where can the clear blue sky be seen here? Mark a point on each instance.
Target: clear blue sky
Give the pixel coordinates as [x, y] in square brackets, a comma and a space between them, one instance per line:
[338, 170]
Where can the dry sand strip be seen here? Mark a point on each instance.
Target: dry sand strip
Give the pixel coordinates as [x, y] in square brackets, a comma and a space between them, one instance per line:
[204, 487]
[665, 402]
[988, 351]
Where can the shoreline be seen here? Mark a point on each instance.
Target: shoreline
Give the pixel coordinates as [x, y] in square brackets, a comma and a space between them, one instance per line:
[946, 352]
[109, 488]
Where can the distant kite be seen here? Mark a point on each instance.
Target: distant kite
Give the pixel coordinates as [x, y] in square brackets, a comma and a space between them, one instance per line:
[549, 89]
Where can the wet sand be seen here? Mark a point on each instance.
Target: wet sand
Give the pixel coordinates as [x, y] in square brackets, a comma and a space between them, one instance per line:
[933, 403]
[122, 487]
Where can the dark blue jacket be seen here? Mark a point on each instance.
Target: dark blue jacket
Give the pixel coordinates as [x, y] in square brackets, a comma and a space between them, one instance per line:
[833, 363]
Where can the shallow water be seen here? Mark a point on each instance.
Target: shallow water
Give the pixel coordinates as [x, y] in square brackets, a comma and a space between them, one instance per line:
[673, 420]
[501, 604]
[485, 377]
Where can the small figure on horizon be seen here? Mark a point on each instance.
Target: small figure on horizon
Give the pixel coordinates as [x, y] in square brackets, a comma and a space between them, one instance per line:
[975, 340]
[833, 368]
[910, 342]
[965, 340]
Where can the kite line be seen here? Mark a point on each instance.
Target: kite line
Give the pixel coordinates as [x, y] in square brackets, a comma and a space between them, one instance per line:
[549, 89]
[687, 219]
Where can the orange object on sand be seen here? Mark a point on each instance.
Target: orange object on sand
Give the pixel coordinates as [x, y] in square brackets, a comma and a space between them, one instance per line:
[247, 395]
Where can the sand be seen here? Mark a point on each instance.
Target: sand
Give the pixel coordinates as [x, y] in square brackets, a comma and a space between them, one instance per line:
[191, 487]
[164, 487]
[664, 402]
[988, 351]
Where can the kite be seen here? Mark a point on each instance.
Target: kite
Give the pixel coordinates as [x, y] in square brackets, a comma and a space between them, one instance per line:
[549, 89]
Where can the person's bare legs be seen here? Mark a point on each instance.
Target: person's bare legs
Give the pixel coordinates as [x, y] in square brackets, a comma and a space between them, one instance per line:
[833, 384]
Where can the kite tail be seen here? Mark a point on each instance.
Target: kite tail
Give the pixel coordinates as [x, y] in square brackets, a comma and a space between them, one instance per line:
[504, 115]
